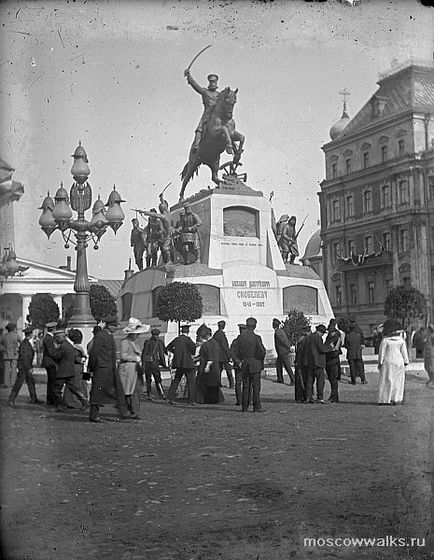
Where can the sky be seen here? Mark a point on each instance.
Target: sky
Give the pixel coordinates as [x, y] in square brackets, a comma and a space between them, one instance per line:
[110, 74]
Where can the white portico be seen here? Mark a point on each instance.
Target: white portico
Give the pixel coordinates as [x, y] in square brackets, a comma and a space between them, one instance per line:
[17, 291]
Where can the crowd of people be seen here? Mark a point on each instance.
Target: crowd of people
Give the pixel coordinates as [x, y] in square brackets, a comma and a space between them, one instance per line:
[123, 378]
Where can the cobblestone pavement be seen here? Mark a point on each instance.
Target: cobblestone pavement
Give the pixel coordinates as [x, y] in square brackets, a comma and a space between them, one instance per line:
[211, 483]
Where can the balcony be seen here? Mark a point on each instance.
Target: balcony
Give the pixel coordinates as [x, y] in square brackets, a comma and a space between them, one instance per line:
[364, 261]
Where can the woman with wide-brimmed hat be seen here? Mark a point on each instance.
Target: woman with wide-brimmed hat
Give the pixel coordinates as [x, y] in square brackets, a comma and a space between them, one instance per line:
[130, 367]
[392, 359]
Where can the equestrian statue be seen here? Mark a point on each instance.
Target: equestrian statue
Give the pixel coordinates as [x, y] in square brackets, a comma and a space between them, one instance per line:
[215, 132]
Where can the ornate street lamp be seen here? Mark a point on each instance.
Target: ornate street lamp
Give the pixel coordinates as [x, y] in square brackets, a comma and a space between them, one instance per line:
[57, 214]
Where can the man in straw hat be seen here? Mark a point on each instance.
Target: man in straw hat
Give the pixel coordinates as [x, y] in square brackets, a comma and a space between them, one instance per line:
[106, 384]
[26, 354]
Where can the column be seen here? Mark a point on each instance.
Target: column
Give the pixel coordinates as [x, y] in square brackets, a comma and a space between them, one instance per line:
[25, 304]
[58, 300]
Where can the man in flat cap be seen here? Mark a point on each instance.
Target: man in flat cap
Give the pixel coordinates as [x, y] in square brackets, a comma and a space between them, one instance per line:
[183, 350]
[209, 99]
[48, 362]
[237, 364]
[224, 353]
[251, 352]
[315, 359]
[283, 347]
[26, 354]
[153, 356]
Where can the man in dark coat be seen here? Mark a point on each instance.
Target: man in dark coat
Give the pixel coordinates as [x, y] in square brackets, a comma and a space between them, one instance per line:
[48, 362]
[224, 354]
[251, 352]
[283, 347]
[332, 360]
[153, 356]
[315, 353]
[106, 383]
[183, 349]
[65, 357]
[300, 370]
[353, 344]
[26, 354]
[237, 364]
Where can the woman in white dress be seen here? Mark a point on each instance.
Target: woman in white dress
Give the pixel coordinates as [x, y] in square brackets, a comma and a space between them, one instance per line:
[129, 367]
[392, 359]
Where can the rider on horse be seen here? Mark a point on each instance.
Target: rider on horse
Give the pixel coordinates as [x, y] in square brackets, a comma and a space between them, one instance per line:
[209, 98]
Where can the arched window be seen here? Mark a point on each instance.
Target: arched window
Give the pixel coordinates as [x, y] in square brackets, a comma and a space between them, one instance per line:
[303, 298]
[240, 221]
[127, 302]
[211, 299]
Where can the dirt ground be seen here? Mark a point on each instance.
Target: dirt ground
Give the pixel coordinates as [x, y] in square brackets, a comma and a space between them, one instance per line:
[211, 483]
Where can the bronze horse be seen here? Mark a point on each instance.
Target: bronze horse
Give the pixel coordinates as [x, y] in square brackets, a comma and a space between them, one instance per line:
[220, 135]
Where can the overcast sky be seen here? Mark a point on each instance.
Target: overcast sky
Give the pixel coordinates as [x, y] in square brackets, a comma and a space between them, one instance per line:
[110, 73]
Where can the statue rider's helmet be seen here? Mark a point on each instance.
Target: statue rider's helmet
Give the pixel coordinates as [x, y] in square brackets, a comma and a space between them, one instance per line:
[163, 207]
[212, 82]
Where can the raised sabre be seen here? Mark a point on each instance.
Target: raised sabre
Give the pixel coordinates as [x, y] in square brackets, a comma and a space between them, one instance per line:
[168, 185]
[195, 58]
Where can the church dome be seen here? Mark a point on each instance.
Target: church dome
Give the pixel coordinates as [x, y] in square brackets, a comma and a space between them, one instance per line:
[337, 129]
[313, 247]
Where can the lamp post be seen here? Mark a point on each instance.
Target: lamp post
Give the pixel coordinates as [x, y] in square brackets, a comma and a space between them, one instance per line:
[57, 214]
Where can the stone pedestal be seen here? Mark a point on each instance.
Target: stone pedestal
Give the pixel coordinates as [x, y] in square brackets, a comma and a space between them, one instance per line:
[241, 273]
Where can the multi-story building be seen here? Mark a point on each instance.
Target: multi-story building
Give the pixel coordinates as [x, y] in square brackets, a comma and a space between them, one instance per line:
[377, 200]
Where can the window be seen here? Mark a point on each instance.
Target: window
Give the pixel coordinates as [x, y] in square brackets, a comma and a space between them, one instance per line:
[386, 199]
[367, 201]
[338, 294]
[336, 211]
[348, 165]
[336, 251]
[403, 244]
[431, 187]
[211, 299]
[389, 285]
[334, 170]
[401, 147]
[402, 192]
[350, 206]
[383, 153]
[369, 244]
[365, 160]
[353, 294]
[351, 247]
[371, 294]
[387, 241]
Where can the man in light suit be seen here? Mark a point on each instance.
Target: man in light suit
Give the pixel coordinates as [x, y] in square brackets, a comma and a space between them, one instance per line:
[315, 356]
[251, 352]
[183, 349]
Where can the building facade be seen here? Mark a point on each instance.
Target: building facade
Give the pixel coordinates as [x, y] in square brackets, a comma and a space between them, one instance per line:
[377, 200]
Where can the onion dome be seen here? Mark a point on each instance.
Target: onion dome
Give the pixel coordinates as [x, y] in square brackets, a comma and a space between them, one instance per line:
[313, 247]
[337, 129]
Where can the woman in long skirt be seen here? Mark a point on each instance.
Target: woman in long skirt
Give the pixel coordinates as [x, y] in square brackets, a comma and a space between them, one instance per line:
[392, 359]
[208, 382]
[129, 368]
